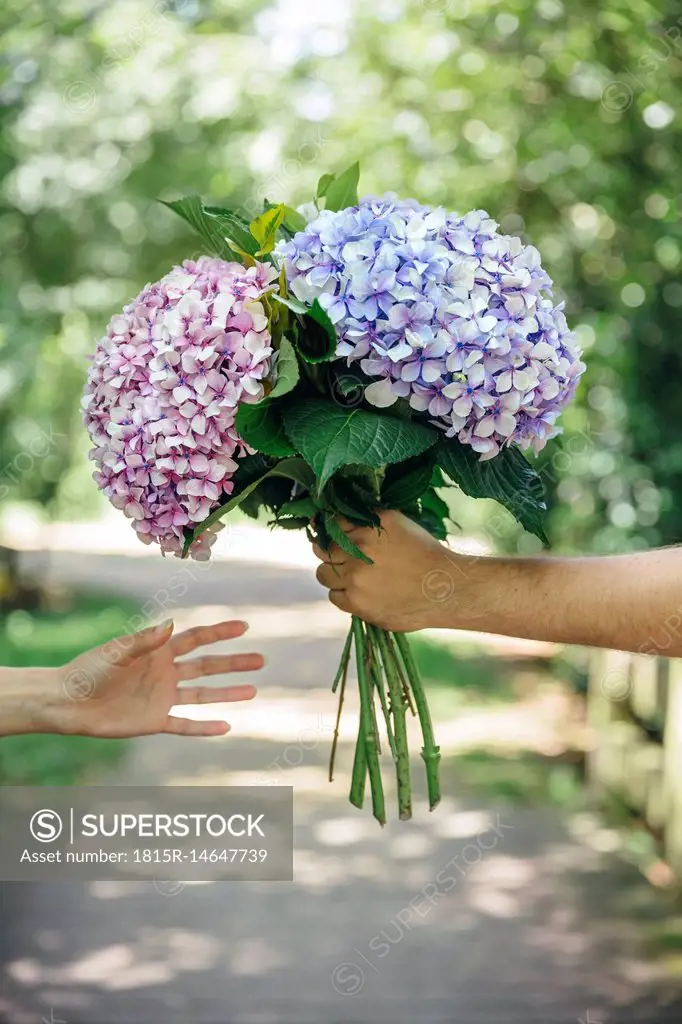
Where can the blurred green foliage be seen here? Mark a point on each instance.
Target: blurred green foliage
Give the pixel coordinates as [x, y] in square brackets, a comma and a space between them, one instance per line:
[522, 778]
[54, 638]
[456, 676]
[464, 678]
[560, 118]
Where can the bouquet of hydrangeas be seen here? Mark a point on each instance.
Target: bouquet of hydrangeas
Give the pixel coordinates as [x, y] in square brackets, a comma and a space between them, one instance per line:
[361, 358]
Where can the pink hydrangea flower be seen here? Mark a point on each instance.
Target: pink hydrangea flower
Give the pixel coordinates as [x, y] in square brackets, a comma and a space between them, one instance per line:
[163, 391]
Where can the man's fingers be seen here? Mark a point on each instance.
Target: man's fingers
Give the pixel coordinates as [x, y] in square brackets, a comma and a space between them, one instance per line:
[320, 553]
[218, 665]
[188, 727]
[348, 527]
[330, 576]
[214, 694]
[362, 536]
[200, 636]
[340, 599]
[331, 554]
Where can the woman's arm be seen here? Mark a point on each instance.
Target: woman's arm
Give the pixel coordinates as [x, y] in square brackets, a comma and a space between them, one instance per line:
[627, 602]
[126, 687]
[29, 698]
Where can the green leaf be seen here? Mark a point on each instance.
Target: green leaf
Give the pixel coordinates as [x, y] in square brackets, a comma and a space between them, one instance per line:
[433, 502]
[240, 236]
[292, 469]
[405, 483]
[343, 191]
[346, 495]
[329, 437]
[430, 522]
[291, 523]
[235, 228]
[302, 507]
[323, 185]
[412, 511]
[296, 469]
[264, 228]
[317, 339]
[401, 410]
[438, 479]
[274, 492]
[294, 220]
[229, 213]
[341, 538]
[218, 513]
[508, 478]
[291, 303]
[252, 504]
[349, 383]
[191, 210]
[262, 428]
[287, 370]
[317, 342]
[429, 511]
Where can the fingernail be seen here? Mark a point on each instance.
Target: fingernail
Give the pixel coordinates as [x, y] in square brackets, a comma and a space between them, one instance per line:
[245, 626]
[165, 626]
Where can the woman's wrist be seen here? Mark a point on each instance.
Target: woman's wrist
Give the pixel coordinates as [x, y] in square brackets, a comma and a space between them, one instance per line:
[32, 700]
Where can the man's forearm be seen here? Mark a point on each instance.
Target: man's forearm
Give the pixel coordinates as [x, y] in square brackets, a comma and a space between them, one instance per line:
[627, 602]
[30, 699]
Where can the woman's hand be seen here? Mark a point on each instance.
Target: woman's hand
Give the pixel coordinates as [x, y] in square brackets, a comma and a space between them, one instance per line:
[127, 687]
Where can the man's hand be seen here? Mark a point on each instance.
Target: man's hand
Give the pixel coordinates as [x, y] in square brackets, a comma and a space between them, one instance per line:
[627, 602]
[410, 584]
[128, 686]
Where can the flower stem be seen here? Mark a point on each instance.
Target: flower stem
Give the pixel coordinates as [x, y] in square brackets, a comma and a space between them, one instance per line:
[343, 664]
[406, 689]
[401, 754]
[359, 778]
[430, 752]
[341, 676]
[368, 724]
[378, 677]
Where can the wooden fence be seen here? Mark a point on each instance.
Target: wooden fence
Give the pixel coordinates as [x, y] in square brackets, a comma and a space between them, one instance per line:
[635, 709]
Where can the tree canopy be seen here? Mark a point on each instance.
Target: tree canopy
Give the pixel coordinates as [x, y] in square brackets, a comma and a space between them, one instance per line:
[560, 119]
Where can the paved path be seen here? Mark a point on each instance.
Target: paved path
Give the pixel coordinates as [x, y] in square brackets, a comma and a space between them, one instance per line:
[542, 927]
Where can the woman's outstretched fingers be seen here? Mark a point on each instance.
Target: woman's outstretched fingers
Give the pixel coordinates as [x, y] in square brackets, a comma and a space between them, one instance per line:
[124, 650]
[217, 665]
[214, 694]
[188, 727]
[201, 636]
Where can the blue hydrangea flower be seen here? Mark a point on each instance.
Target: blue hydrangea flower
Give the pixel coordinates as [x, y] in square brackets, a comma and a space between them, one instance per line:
[444, 312]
